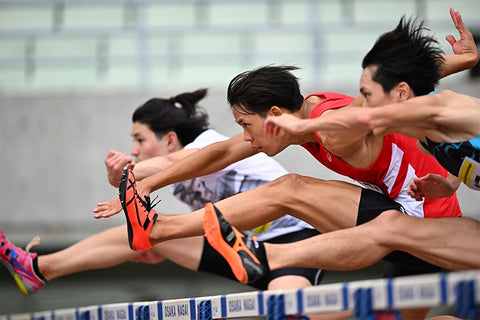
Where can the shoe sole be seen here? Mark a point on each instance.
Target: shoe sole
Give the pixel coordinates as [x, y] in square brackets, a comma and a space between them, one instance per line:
[212, 230]
[20, 284]
[16, 277]
[122, 196]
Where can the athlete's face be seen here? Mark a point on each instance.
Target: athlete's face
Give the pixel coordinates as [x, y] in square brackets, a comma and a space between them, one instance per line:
[373, 91]
[145, 144]
[253, 131]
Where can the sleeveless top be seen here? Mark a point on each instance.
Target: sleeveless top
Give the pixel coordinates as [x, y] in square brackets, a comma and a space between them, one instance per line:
[399, 161]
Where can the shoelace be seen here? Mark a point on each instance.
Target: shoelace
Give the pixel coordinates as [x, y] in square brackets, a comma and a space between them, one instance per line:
[147, 202]
[34, 242]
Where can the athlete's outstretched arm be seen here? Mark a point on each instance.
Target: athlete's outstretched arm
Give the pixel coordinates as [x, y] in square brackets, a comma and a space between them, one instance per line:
[207, 160]
[210, 159]
[446, 116]
[151, 166]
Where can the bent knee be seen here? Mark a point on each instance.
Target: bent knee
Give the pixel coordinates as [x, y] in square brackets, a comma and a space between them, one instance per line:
[289, 178]
[388, 223]
[293, 181]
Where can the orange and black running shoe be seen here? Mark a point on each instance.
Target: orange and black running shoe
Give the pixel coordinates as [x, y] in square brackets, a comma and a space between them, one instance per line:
[139, 213]
[244, 254]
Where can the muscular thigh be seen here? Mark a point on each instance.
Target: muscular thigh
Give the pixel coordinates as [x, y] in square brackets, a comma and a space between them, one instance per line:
[327, 205]
[374, 204]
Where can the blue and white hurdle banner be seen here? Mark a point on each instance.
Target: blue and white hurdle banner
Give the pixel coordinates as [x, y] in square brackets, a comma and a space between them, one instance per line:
[366, 299]
[89, 313]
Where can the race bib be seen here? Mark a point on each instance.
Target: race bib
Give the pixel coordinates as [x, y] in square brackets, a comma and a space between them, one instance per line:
[469, 173]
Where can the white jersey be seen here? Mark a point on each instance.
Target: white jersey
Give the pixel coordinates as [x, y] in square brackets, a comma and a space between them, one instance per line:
[238, 177]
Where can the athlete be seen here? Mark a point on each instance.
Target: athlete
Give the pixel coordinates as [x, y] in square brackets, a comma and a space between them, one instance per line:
[234, 148]
[165, 131]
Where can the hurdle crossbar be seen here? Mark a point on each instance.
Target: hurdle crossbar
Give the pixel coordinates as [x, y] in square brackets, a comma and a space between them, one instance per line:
[461, 290]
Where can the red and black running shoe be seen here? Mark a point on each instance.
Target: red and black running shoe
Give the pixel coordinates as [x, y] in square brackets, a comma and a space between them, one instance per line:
[139, 213]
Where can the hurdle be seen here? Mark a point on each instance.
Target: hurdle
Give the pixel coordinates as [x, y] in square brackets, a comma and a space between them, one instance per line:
[367, 299]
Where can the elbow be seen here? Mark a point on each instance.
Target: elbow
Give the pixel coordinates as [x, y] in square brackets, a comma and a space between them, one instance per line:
[365, 118]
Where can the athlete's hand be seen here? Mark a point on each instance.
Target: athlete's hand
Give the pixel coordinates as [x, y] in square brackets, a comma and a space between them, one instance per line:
[108, 208]
[466, 45]
[116, 162]
[273, 125]
[431, 186]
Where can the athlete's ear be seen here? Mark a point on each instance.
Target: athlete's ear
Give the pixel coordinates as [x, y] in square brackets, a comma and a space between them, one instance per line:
[275, 111]
[172, 140]
[403, 91]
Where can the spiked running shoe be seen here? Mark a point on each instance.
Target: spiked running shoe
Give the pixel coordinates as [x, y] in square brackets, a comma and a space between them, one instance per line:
[19, 264]
[139, 213]
[243, 253]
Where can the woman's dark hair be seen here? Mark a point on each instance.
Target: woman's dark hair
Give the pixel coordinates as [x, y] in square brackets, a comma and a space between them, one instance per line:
[256, 91]
[180, 114]
[405, 54]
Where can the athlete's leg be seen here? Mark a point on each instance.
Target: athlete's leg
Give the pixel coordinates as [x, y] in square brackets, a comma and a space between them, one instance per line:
[102, 250]
[451, 243]
[110, 248]
[326, 205]
[185, 252]
[343, 250]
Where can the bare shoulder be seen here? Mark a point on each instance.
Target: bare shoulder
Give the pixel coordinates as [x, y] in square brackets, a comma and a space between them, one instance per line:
[309, 104]
[314, 100]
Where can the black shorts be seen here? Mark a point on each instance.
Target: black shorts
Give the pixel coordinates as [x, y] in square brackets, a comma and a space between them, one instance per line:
[399, 263]
[213, 262]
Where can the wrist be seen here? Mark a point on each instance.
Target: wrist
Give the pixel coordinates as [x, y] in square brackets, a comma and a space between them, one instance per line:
[471, 61]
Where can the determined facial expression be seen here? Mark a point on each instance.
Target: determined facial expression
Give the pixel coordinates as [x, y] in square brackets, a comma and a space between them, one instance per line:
[253, 132]
[373, 91]
[145, 143]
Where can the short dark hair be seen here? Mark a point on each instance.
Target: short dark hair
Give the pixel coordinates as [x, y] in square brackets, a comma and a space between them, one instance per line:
[256, 91]
[180, 114]
[405, 54]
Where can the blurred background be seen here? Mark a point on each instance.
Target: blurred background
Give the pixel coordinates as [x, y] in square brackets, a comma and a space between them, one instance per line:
[72, 72]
